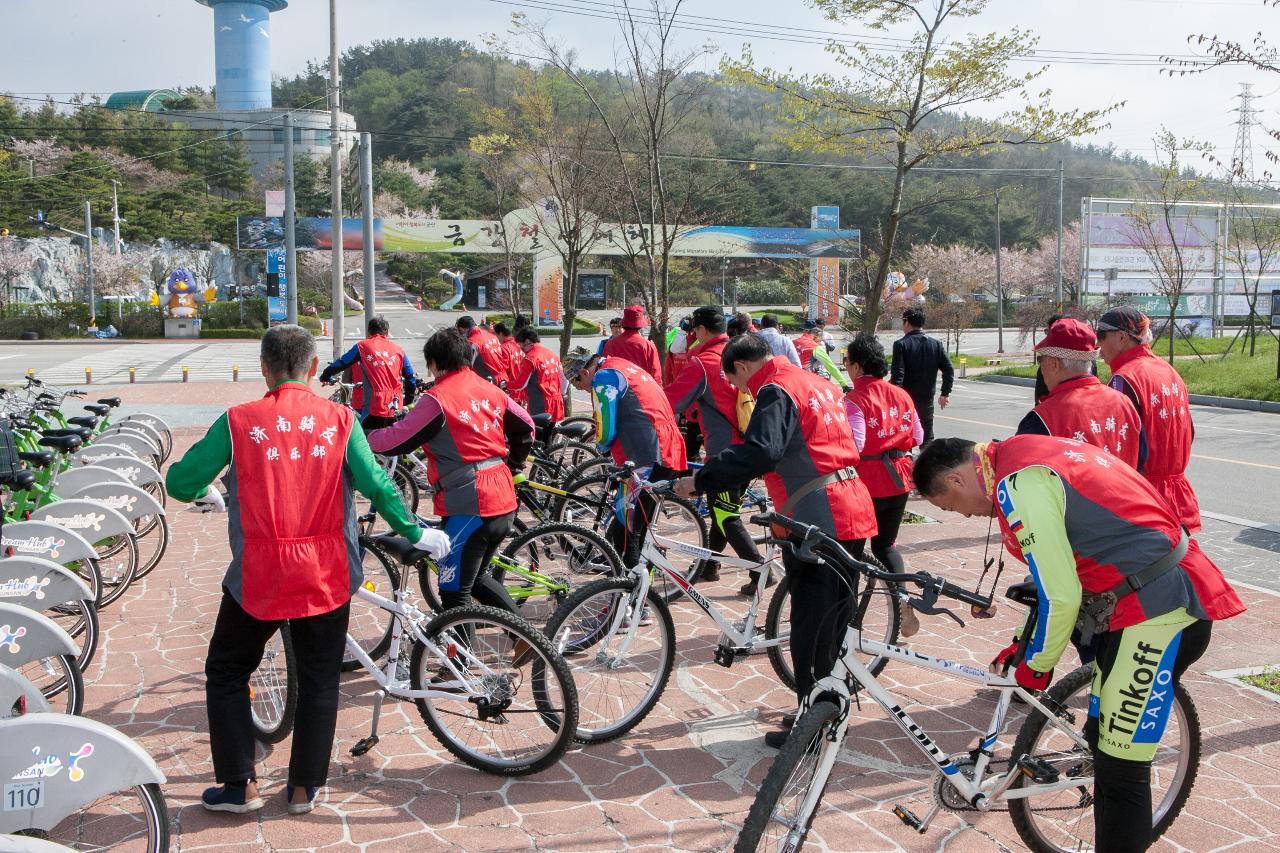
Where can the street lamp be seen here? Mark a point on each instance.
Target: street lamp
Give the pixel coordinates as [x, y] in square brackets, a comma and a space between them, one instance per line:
[999, 284]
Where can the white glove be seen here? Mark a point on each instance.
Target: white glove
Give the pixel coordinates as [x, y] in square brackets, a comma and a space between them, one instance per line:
[434, 542]
[211, 502]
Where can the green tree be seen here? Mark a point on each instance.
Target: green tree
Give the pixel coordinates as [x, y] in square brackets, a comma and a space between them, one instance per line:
[891, 106]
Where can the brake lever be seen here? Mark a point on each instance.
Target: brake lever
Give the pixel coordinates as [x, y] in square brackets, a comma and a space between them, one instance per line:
[927, 604]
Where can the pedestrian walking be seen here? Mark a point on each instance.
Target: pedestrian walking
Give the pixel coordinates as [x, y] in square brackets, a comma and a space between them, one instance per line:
[917, 361]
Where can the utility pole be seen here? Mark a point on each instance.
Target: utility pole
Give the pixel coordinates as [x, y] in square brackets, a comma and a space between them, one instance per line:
[335, 181]
[88, 259]
[115, 213]
[290, 222]
[31, 167]
[999, 284]
[366, 205]
[1058, 291]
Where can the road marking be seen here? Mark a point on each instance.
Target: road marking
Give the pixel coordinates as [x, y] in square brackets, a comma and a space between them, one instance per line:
[1242, 522]
[976, 423]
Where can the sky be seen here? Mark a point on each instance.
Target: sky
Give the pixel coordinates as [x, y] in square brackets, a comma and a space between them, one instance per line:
[73, 46]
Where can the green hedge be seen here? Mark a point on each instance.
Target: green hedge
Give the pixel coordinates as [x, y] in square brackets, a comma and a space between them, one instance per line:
[231, 333]
[311, 324]
[226, 315]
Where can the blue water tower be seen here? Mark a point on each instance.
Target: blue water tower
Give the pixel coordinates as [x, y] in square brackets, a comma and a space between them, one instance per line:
[242, 44]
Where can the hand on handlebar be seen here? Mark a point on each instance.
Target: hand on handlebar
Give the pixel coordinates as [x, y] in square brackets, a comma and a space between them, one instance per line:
[435, 542]
[684, 487]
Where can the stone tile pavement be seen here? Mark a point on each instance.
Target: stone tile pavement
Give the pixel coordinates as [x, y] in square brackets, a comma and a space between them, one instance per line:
[683, 780]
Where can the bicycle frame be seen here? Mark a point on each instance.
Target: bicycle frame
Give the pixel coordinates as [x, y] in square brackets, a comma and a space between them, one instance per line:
[983, 792]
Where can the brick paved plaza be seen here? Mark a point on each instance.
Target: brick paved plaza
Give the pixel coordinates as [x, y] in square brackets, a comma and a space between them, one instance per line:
[683, 780]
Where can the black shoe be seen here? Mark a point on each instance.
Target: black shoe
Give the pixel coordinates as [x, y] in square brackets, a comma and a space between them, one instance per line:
[789, 720]
[748, 589]
[710, 571]
[776, 739]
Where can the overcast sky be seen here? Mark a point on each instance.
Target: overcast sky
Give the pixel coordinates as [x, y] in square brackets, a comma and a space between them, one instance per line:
[65, 46]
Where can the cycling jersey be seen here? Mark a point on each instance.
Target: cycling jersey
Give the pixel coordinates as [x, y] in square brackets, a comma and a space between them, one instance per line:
[634, 421]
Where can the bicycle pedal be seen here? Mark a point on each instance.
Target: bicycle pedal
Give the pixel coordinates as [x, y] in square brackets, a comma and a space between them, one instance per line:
[1038, 770]
[908, 817]
[364, 745]
[725, 656]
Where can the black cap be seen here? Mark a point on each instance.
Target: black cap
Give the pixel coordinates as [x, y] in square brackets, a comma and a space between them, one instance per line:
[1124, 318]
[707, 315]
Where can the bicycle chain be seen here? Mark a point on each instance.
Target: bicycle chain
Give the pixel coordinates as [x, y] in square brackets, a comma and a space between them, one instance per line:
[948, 798]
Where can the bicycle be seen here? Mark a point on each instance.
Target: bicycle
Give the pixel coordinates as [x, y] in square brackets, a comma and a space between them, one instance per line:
[621, 664]
[1044, 782]
[488, 686]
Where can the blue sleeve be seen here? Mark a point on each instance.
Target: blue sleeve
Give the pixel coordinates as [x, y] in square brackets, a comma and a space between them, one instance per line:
[406, 369]
[348, 358]
[1142, 448]
[608, 386]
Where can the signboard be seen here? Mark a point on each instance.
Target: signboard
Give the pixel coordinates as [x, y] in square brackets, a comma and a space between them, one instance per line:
[478, 236]
[824, 273]
[1121, 230]
[277, 287]
[1275, 309]
[274, 202]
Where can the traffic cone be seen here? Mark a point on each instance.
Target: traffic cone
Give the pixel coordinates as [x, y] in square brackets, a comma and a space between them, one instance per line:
[419, 303]
[324, 328]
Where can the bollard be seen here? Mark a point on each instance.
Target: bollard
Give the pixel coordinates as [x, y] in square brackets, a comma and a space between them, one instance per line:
[88, 376]
[133, 375]
[184, 374]
[235, 373]
[964, 365]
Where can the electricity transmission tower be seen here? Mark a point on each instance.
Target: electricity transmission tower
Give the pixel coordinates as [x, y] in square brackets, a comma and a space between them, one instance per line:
[1246, 119]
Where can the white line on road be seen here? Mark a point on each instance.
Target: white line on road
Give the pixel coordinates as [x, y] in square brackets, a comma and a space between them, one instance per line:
[1241, 522]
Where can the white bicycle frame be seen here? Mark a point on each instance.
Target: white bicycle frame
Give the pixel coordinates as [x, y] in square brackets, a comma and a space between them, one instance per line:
[983, 792]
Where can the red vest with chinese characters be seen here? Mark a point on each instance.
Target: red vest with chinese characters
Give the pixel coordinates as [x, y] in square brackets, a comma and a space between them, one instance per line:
[491, 358]
[466, 460]
[1086, 410]
[647, 410]
[822, 444]
[291, 504]
[1166, 421]
[379, 369]
[885, 464]
[541, 393]
[805, 345]
[1117, 524]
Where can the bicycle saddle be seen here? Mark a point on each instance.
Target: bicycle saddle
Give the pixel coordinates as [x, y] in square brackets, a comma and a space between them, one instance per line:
[79, 432]
[87, 421]
[399, 547]
[576, 430]
[38, 458]
[542, 420]
[109, 401]
[21, 480]
[98, 410]
[65, 443]
[1024, 593]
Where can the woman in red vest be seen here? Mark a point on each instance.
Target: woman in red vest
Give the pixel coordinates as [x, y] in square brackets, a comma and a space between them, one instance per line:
[1160, 396]
[464, 424]
[892, 430]
[539, 382]
[633, 346]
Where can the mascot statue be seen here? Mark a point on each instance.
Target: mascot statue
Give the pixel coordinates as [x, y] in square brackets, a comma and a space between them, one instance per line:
[181, 296]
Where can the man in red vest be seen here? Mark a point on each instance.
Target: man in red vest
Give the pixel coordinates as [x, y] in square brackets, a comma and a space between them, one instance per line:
[489, 359]
[1102, 544]
[800, 440]
[293, 458]
[539, 383]
[633, 346]
[383, 377]
[634, 422]
[702, 391]
[1160, 396]
[1078, 405]
[510, 346]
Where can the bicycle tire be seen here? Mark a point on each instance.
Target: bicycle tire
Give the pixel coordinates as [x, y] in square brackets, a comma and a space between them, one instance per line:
[571, 564]
[667, 590]
[601, 691]
[402, 478]
[588, 468]
[780, 656]
[552, 692]
[162, 543]
[1164, 812]
[568, 455]
[80, 620]
[799, 760]
[55, 676]
[273, 702]
[89, 572]
[85, 831]
[370, 626]
[120, 570]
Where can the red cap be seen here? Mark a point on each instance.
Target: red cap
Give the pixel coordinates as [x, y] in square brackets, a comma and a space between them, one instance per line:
[1070, 336]
[633, 317]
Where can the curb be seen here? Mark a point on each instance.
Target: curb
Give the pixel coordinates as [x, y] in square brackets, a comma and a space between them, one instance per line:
[1245, 405]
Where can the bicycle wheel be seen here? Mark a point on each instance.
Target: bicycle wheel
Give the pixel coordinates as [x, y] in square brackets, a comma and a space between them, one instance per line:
[80, 620]
[588, 468]
[403, 479]
[370, 625]
[515, 709]
[563, 554]
[135, 820]
[87, 570]
[783, 809]
[568, 455]
[678, 519]
[152, 532]
[614, 692]
[877, 615]
[57, 676]
[273, 689]
[1063, 820]
[589, 502]
[117, 563]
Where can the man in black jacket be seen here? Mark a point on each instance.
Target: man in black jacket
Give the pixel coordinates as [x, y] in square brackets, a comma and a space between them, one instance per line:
[917, 358]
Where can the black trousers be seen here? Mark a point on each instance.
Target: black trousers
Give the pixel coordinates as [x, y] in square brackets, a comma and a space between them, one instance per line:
[474, 579]
[1122, 789]
[822, 604]
[925, 412]
[889, 512]
[235, 650]
[628, 542]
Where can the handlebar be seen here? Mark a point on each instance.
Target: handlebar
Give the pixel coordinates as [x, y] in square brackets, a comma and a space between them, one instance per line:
[811, 536]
